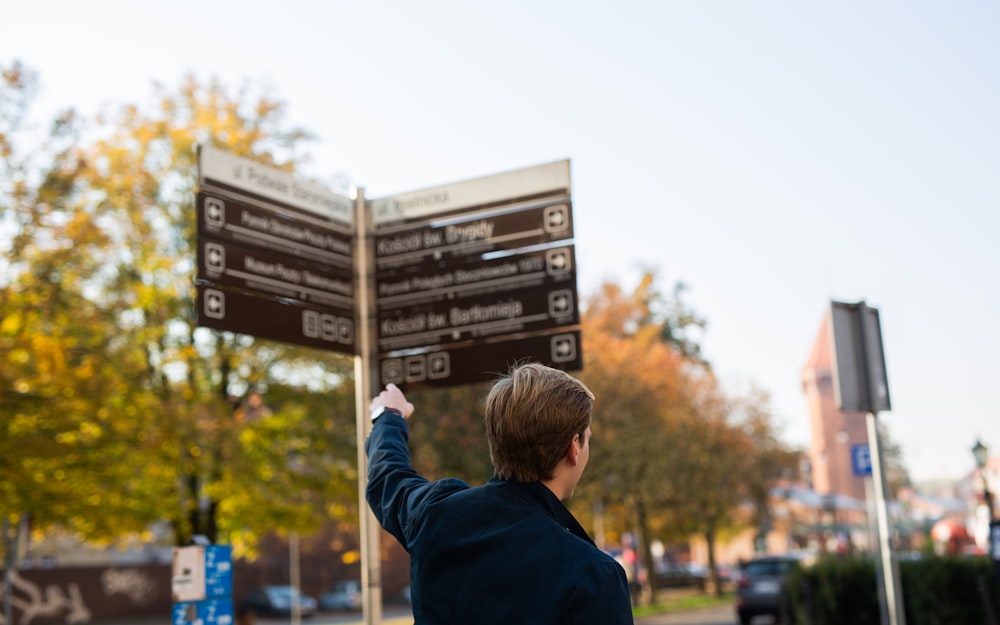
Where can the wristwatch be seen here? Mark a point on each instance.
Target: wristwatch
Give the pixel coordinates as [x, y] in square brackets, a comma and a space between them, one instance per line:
[378, 411]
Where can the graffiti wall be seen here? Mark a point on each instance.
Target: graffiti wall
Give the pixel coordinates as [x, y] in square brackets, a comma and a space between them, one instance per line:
[86, 594]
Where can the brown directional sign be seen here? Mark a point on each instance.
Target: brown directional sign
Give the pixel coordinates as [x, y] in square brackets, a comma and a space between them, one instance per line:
[231, 264]
[280, 319]
[490, 314]
[477, 233]
[275, 255]
[483, 273]
[293, 234]
[476, 275]
[480, 362]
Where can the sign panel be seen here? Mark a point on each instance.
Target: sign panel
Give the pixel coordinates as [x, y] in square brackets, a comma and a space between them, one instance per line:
[242, 175]
[275, 254]
[503, 188]
[479, 273]
[490, 274]
[481, 361]
[279, 319]
[860, 380]
[258, 270]
[519, 311]
[861, 460]
[285, 231]
[188, 573]
[209, 612]
[475, 233]
[218, 571]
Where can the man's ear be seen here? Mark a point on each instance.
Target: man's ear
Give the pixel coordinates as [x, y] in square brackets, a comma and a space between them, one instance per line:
[574, 450]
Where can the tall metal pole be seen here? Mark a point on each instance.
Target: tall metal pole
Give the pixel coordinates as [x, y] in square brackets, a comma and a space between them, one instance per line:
[8, 571]
[371, 564]
[887, 558]
[295, 577]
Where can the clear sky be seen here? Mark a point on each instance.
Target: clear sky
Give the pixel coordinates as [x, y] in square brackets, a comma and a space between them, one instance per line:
[772, 155]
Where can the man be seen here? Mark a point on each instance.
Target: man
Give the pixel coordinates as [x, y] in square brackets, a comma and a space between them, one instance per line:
[507, 552]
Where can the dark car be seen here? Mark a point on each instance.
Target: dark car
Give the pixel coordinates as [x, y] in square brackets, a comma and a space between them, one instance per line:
[345, 595]
[673, 575]
[278, 601]
[760, 586]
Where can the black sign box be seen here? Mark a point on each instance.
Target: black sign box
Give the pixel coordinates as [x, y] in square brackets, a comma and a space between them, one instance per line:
[492, 314]
[471, 363]
[474, 234]
[285, 231]
[257, 269]
[280, 319]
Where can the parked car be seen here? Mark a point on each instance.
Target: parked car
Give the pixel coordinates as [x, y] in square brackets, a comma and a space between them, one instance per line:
[672, 575]
[345, 595]
[760, 586]
[278, 601]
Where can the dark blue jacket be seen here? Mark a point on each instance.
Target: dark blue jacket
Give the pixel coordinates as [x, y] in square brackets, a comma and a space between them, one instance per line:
[506, 552]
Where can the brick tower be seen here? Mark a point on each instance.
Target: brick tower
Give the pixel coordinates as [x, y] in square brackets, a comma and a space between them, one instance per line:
[833, 432]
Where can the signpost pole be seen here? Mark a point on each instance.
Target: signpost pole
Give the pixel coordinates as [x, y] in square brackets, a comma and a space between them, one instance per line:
[861, 384]
[887, 560]
[371, 566]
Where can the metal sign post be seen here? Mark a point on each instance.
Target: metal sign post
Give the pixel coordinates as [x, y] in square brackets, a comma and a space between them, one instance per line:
[861, 384]
[371, 563]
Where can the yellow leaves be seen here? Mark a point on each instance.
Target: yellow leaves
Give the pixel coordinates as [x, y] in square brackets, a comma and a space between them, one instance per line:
[10, 325]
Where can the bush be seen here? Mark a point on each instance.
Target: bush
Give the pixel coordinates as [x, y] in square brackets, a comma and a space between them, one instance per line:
[936, 591]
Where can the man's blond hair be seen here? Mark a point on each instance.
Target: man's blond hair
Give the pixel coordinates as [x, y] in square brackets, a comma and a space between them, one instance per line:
[532, 415]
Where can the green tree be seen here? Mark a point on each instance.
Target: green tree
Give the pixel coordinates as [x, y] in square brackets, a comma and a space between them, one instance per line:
[117, 407]
[69, 416]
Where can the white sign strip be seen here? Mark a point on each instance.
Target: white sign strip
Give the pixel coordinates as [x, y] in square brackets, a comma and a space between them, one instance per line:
[530, 181]
[267, 182]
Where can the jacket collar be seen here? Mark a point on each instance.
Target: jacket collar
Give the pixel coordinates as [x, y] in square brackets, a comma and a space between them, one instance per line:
[539, 494]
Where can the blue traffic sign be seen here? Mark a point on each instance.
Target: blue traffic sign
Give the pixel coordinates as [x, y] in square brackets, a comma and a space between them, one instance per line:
[861, 460]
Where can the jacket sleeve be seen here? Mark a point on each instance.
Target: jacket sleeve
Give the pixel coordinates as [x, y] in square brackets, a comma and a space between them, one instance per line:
[601, 595]
[396, 493]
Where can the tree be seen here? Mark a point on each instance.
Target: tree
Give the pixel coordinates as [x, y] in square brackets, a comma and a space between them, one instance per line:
[643, 387]
[63, 370]
[681, 456]
[114, 402]
[141, 175]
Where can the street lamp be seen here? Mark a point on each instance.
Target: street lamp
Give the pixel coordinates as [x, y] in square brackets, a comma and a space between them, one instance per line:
[982, 453]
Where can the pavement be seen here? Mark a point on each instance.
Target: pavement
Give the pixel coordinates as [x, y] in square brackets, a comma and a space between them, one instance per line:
[715, 615]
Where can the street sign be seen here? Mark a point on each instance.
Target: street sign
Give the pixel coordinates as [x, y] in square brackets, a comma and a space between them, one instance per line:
[476, 232]
[280, 319]
[860, 380]
[231, 264]
[550, 179]
[188, 579]
[207, 612]
[479, 272]
[289, 232]
[489, 314]
[233, 174]
[481, 361]
[275, 255]
[861, 460]
[489, 273]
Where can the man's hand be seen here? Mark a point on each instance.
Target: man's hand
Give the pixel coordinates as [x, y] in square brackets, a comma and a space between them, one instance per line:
[392, 397]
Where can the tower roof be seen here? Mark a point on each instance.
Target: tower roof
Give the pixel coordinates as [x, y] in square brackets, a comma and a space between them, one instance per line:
[821, 356]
